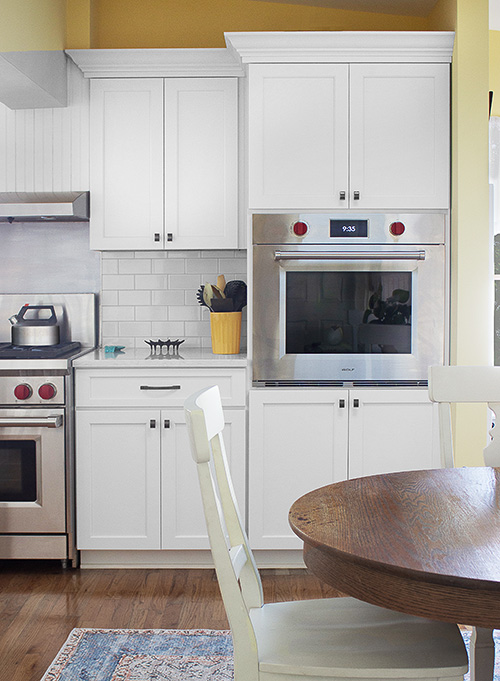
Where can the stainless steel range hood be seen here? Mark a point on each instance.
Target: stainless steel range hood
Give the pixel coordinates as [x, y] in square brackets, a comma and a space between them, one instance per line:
[44, 206]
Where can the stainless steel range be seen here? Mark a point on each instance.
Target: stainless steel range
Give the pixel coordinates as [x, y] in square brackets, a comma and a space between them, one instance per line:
[37, 429]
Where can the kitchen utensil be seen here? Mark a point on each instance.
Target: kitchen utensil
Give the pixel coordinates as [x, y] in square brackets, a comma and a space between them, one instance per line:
[200, 298]
[35, 330]
[207, 296]
[237, 290]
[221, 282]
[222, 305]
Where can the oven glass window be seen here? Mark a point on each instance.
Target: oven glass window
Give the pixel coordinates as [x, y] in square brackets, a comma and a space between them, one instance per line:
[17, 470]
[348, 312]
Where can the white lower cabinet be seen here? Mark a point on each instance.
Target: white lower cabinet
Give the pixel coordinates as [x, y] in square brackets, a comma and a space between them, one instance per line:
[136, 483]
[301, 439]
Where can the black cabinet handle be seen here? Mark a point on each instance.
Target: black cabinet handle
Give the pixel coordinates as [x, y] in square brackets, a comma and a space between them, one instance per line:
[355, 403]
[341, 404]
[166, 423]
[159, 387]
[152, 423]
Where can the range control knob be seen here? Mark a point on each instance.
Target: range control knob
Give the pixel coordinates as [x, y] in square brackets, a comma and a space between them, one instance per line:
[23, 391]
[300, 228]
[47, 391]
[397, 228]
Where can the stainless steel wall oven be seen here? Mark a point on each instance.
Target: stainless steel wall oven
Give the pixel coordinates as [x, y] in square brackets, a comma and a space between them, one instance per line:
[357, 299]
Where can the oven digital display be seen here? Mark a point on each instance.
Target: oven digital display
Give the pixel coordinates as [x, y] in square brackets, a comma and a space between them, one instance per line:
[348, 228]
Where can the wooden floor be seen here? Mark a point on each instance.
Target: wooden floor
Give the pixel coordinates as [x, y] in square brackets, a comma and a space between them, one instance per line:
[40, 603]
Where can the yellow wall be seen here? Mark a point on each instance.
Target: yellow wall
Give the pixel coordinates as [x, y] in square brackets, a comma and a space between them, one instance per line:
[32, 25]
[202, 23]
[495, 70]
[471, 320]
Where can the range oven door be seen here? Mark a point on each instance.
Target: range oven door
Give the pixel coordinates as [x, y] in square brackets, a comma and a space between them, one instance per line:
[373, 314]
[32, 471]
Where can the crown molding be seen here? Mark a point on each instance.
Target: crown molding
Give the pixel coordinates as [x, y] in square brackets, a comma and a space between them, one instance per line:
[341, 46]
[136, 63]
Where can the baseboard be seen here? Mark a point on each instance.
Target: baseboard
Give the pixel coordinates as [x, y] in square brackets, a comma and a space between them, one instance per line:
[180, 559]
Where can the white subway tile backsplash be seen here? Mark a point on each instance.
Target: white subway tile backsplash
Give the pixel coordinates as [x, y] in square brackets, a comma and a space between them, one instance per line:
[150, 281]
[184, 313]
[134, 266]
[118, 281]
[165, 330]
[202, 266]
[120, 313]
[136, 298]
[110, 266]
[151, 313]
[152, 294]
[168, 266]
[140, 329]
[167, 297]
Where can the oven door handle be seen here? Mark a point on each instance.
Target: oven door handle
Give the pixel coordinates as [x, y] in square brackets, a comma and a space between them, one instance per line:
[349, 255]
[32, 422]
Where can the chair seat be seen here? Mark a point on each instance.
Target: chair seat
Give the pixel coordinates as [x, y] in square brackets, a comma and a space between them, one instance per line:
[344, 637]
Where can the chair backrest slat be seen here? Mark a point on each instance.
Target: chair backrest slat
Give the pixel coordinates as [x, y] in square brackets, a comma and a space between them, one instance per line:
[237, 572]
[465, 384]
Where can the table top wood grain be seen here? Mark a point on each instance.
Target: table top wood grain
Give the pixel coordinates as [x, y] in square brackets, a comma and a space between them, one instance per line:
[422, 542]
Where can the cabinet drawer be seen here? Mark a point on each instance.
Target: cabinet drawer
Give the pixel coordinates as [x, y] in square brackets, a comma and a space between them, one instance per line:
[147, 388]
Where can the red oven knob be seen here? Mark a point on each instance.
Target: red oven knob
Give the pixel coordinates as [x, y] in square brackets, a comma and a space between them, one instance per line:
[397, 228]
[23, 391]
[47, 391]
[300, 228]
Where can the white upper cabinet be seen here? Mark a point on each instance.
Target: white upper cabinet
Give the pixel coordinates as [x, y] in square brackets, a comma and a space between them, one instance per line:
[358, 136]
[126, 178]
[298, 135]
[163, 163]
[399, 136]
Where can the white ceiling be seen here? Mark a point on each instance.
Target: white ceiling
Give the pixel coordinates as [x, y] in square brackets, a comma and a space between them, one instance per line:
[416, 8]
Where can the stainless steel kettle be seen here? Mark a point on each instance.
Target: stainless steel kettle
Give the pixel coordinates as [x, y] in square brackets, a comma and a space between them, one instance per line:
[35, 330]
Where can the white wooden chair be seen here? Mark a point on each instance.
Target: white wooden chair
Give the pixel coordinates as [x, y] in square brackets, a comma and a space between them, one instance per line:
[468, 384]
[332, 638]
[454, 384]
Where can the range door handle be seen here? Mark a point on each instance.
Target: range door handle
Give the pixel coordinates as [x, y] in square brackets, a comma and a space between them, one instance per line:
[349, 255]
[32, 422]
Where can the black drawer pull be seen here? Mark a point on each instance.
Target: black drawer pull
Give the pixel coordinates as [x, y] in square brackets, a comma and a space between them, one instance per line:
[341, 404]
[166, 423]
[152, 423]
[160, 387]
[355, 403]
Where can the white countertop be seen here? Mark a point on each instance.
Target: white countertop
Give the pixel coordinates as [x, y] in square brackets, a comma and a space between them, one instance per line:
[139, 358]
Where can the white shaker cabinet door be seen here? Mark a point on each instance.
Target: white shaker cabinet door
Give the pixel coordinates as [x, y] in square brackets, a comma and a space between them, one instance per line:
[298, 136]
[201, 163]
[118, 479]
[126, 175]
[392, 430]
[298, 442]
[400, 136]
[183, 519]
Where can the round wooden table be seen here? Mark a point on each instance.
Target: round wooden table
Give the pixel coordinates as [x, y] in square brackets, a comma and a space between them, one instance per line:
[425, 543]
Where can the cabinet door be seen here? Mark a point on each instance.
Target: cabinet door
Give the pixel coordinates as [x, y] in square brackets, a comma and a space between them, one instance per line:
[400, 136]
[298, 135]
[183, 519]
[126, 163]
[118, 479]
[298, 442]
[201, 164]
[392, 430]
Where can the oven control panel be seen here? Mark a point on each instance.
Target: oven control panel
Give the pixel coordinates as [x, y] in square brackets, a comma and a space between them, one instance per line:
[32, 390]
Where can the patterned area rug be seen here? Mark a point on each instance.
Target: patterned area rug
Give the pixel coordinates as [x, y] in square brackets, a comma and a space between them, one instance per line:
[144, 655]
[156, 655]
